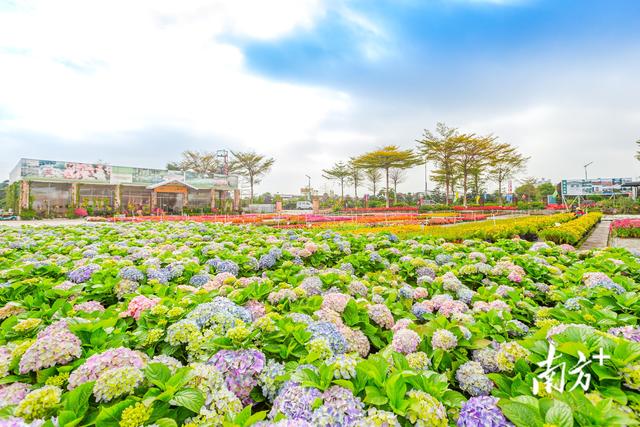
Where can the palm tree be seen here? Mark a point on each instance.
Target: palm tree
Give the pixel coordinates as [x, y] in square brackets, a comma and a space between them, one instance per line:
[339, 172]
[252, 166]
[355, 177]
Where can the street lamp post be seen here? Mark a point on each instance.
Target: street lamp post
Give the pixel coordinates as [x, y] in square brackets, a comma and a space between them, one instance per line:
[585, 170]
[309, 187]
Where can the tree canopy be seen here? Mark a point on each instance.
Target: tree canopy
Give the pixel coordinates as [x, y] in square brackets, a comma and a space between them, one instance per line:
[252, 166]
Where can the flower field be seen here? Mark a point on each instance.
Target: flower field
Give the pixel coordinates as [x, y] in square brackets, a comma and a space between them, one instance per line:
[625, 228]
[200, 324]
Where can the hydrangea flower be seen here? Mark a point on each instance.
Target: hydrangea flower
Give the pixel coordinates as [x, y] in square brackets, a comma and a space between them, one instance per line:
[482, 411]
[508, 354]
[405, 341]
[444, 340]
[471, 379]
[381, 315]
[295, 402]
[55, 345]
[630, 333]
[425, 410]
[240, 369]
[117, 382]
[95, 365]
[89, 307]
[139, 304]
[344, 365]
[331, 334]
[39, 403]
[12, 394]
[131, 273]
[84, 273]
[269, 379]
[339, 408]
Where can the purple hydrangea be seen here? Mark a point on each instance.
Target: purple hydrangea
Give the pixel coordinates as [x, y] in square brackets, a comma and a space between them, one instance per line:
[83, 274]
[340, 408]
[295, 402]
[240, 369]
[482, 411]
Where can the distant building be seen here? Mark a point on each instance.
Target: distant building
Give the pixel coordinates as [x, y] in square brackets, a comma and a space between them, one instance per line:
[54, 187]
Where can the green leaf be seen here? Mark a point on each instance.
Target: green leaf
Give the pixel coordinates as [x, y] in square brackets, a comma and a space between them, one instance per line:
[77, 400]
[521, 414]
[559, 414]
[166, 422]
[189, 398]
[158, 374]
[109, 416]
[258, 416]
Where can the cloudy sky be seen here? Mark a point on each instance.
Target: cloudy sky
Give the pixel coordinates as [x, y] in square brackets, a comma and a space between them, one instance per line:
[311, 82]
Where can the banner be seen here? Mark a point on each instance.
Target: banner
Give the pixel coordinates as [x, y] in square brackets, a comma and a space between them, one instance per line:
[598, 186]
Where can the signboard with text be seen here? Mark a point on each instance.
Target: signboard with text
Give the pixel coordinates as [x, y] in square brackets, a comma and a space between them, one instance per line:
[597, 186]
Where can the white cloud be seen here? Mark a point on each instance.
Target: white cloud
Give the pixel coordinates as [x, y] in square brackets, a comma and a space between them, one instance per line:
[92, 67]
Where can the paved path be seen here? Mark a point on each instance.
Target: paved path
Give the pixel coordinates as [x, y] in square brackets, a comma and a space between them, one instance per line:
[599, 238]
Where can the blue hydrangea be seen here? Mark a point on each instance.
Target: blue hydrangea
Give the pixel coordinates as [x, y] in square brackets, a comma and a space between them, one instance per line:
[330, 332]
[223, 309]
[199, 280]
[131, 273]
[159, 274]
[266, 261]
[227, 267]
[442, 259]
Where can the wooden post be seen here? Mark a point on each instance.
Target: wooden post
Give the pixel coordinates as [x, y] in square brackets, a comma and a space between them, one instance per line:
[24, 196]
[236, 200]
[117, 198]
[279, 206]
[154, 201]
[316, 204]
[213, 200]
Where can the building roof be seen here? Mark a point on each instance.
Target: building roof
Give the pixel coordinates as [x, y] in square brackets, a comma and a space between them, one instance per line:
[171, 182]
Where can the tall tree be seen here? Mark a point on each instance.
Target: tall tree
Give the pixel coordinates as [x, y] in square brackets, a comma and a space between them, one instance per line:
[442, 148]
[201, 162]
[507, 162]
[374, 176]
[528, 189]
[355, 177]
[396, 176]
[473, 157]
[252, 166]
[387, 158]
[340, 172]
[546, 189]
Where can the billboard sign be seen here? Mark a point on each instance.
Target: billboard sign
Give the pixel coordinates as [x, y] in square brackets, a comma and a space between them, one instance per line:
[66, 170]
[595, 187]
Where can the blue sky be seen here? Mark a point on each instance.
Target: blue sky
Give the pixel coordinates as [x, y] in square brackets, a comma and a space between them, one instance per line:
[311, 82]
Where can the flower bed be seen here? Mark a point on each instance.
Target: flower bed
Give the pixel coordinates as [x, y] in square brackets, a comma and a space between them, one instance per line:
[485, 208]
[572, 232]
[625, 228]
[381, 209]
[525, 227]
[199, 324]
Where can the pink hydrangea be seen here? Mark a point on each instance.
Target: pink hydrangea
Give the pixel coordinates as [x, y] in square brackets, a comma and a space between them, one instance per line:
[99, 363]
[256, 308]
[420, 293]
[401, 324]
[514, 277]
[138, 304]
[381, 315]
[12, 394]
[405, 341]
[89, 307]
[55, 345]
[311, 247]
[335, 301]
